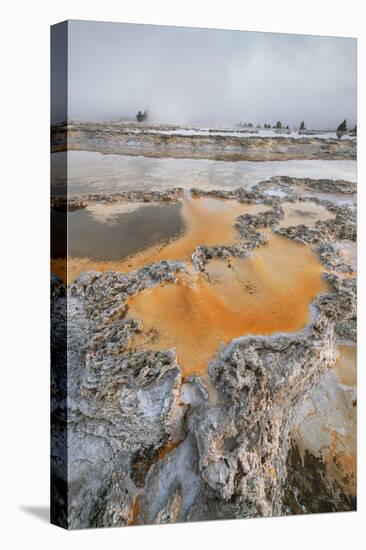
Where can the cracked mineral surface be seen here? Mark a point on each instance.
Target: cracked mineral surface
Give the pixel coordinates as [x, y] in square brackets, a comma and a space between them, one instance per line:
[119, 139]
[210, 345]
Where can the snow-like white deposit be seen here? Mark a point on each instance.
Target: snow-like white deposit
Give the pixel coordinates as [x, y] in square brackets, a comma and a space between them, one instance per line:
[236, 133]
[92, 172]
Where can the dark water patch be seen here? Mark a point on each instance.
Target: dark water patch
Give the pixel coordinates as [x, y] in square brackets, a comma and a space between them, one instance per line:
[129, 233]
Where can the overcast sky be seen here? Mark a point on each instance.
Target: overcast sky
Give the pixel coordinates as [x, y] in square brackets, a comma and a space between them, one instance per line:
[202, 76]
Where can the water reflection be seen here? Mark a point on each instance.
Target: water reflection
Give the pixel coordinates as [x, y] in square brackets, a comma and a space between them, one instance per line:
[126, 233]
[91, 172]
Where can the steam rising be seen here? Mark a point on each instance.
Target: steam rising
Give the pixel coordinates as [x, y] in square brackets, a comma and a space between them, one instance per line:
[208, 77]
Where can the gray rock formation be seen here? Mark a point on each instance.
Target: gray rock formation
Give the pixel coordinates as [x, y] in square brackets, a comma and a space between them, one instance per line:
[122, 139]
[77, 202]
[134, 443]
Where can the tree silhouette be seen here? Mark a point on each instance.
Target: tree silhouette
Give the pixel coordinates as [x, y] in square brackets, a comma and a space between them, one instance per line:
[302, 125]
[342, 127]
[141, 116]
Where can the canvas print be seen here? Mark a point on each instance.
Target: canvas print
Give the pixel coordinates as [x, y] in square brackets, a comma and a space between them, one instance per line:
[203, 286]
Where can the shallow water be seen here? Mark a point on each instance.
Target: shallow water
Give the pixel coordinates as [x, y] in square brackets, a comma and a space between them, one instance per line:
[348, 251]
[92, 172]
[101, 239]
[304, 213]
[209, 221]
[346, 364]
[269, 292]
[105, 234]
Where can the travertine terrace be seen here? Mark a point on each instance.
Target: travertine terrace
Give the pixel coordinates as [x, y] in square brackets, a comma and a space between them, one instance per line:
[203, 368]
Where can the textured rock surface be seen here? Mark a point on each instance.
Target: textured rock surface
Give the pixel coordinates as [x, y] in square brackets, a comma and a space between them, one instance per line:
[143, 445]
[119, 139]
[77, 202]
[324, 441]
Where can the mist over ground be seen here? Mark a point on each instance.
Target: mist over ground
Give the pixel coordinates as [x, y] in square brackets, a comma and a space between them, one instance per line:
[208, 77]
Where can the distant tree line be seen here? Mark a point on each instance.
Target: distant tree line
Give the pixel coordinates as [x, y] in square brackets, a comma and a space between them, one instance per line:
[341, 129]
[278, 126]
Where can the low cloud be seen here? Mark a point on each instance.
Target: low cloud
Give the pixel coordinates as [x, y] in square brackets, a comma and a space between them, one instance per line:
[202, 76]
